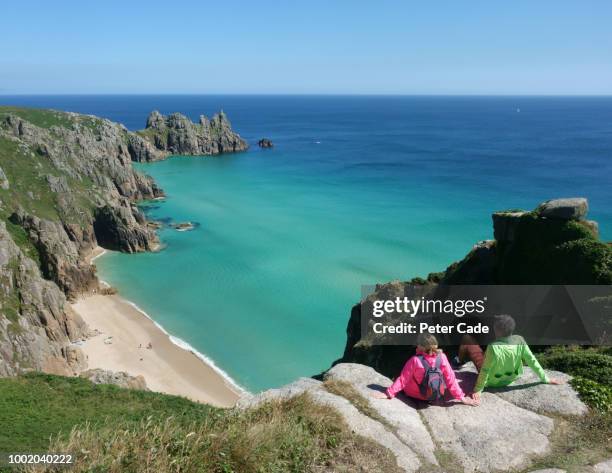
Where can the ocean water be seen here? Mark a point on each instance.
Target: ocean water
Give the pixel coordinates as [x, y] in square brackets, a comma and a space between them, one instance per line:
[357, 190]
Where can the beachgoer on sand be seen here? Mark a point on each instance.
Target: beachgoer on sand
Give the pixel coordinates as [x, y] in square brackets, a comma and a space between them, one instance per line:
[427, 375]
[503, 360]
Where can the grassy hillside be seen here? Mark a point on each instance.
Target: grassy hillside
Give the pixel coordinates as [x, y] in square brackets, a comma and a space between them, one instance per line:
[29, 171]
[117, 430]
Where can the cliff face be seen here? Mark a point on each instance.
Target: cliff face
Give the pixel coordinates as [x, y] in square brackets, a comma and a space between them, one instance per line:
[176, 134]
[36, 324]
[66, 185]
[554, 244]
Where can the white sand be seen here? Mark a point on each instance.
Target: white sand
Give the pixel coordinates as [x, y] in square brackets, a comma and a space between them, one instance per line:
[166, 367]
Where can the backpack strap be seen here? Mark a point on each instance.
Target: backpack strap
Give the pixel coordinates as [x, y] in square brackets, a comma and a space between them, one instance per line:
[424, 362]
[438, 361]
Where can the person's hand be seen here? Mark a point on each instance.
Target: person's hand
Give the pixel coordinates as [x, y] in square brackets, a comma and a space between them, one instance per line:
[469, 401]
[380, 395]
[555, 381]
[476, 397]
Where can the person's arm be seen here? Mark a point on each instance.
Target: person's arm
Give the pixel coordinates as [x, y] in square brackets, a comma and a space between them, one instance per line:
[401, 380]
[534, 364]
[450, 379]
[483, 376]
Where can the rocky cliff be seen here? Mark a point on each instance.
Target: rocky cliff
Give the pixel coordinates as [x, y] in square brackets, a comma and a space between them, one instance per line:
[66, 185]
[553, 244]
[177, 134]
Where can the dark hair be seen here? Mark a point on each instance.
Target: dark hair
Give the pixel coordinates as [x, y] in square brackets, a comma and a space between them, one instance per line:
[504, 325]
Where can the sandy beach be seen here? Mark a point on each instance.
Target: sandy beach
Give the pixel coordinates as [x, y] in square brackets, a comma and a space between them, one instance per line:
[165, 366]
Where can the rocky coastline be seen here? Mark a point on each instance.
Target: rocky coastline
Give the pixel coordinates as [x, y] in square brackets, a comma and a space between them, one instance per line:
[67, 186]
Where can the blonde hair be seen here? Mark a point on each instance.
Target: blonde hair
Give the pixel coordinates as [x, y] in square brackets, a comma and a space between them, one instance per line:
[428, 343]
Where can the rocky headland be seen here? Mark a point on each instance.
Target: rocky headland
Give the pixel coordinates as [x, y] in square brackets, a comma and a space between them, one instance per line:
[177, 134]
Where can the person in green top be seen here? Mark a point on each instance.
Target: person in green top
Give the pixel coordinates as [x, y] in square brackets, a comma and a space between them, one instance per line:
[503, 360]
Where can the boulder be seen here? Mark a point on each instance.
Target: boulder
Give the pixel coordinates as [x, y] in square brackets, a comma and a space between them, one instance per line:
[265, 143]
[496, 436]
[118, 378]
[574, 208]
[400, 413]
[529, 393]
[603, 467]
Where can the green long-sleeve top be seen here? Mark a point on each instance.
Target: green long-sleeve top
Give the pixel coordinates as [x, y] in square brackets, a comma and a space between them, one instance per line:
[504, 361]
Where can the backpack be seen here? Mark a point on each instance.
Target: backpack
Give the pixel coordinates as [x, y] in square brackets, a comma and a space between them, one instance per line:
[432, 386]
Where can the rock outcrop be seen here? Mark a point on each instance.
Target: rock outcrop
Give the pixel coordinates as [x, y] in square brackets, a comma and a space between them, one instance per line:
[265, 143]
[500, 435]
[554, 244]
[60, 256]
[177, 134]
[118, 378]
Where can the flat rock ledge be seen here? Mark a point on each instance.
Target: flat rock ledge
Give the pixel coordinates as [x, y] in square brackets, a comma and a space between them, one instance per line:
[507, 432]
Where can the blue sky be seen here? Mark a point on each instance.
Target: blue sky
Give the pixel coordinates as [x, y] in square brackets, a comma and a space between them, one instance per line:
[266, 46]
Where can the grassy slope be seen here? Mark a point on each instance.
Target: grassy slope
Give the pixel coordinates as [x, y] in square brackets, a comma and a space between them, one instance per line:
[123, 430]
[36, 406]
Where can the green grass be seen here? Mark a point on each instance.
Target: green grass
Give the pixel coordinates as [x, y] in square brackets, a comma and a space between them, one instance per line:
[25, 171]
[115, 430]
[38, 117]
[19, 236]
[37, 406]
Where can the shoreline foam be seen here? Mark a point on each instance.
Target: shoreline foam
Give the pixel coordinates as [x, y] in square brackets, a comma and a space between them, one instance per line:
[197, 378]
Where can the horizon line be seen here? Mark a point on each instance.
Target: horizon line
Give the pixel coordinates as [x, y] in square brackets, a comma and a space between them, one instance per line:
[323, 94]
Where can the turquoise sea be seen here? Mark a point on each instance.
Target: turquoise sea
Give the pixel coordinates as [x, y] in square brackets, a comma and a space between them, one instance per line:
[357, 190]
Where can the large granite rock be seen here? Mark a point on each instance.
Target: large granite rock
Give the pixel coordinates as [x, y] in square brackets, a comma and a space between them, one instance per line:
[495, 436]
[401, 412]
[566, 209]
[177, 134]
[543, 398]
[502, 434]
[118, 378]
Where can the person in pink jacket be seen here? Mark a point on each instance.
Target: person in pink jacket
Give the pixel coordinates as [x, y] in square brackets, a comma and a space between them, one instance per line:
[411, 380]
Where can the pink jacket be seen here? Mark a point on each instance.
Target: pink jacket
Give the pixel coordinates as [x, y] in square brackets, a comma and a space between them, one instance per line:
[413, 373]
